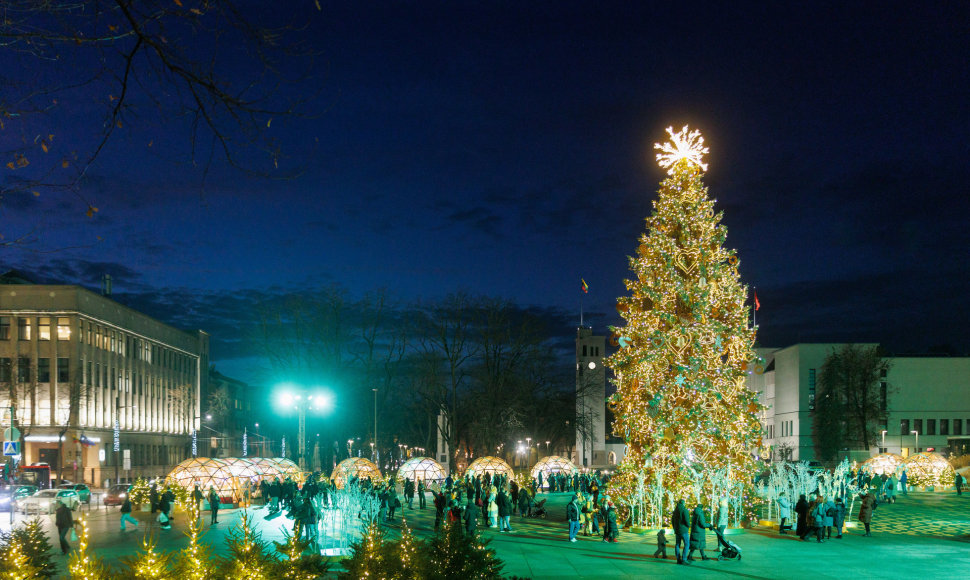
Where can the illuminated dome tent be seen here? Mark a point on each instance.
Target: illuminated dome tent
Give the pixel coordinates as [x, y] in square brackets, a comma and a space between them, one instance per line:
[489, 464]
[227, 476]
[422, 468]
[354, 467]
[928, 469]
[883, 463]
[553, 464]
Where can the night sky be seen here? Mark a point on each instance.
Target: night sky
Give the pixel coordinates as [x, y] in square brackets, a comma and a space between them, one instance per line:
[506, 150]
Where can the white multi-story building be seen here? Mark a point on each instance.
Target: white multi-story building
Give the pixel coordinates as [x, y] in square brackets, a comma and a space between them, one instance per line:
[926, 401]
[77, 367]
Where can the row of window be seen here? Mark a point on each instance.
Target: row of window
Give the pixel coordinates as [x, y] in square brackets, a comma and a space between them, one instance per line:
[904, 428]
[104, 338]
[63, 328]
[63, 370]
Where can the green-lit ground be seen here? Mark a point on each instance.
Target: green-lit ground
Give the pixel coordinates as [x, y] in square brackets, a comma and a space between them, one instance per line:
[924, 535]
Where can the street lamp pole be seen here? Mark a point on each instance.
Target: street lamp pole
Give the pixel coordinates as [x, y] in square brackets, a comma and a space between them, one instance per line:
[884, 438]
[917, 440]
[301, 447]
[375, 427]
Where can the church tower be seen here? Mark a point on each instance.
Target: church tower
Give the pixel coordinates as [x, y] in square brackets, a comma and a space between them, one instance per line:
[590, 399]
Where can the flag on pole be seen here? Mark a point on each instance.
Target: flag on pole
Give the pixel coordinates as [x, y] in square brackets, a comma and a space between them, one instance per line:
[757, 304]
[585, 286]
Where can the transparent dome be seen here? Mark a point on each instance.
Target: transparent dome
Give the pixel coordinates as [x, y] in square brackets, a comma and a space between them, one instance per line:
[883, 463]
[488, 464]
[358, 467]
[228, 475]
[422, 468]
[552, 464]
[928, 468]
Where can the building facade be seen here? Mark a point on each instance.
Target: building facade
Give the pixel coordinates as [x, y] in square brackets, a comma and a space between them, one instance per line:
[590, 448]
[927, 403]
[96, 389]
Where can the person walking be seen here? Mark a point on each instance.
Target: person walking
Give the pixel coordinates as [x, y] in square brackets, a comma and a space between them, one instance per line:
[784, 512]
[902, 482]
[126, 514]
[421, 491]
[891, 489]
[65, 523]
[958, 482]
[661, 545]
[612, 531]
[698, 537]
[572, 516]
[818, 517]
[504, 511]
[866, 507]
[470, 517]
[801, 511]
[828, 516]
[681, 523]
[721, 523]
[838, 520]
[409, 492]
[213, 506]
[197, 497]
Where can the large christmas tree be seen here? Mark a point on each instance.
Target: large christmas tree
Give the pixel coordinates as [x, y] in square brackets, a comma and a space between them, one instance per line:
[681, 404]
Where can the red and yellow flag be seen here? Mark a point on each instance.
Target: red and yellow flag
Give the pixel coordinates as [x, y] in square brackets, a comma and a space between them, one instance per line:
[585, 286]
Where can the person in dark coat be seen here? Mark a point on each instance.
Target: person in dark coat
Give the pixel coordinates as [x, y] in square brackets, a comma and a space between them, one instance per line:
[153, 497]
[839, 518]
[525, 503]
[64, 522]
[504, 510]
[422, 502]
[698, 538]
[470, 517]
[866, 507]
[572, 517]
[612, 531]
[409, 492]
[440, 503]
[213, 505]
[681, 524]
[661, 544]
[801, 512]
[126, 514]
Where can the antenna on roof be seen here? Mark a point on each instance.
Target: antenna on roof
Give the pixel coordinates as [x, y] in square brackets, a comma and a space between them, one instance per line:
[106, 285]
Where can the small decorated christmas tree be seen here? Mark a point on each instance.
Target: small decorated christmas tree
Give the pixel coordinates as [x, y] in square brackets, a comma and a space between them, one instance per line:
[681, 404]
[248, 557]
[82, 564]
[147, 565]
[16, 564]
[193, 561]
[33, 543]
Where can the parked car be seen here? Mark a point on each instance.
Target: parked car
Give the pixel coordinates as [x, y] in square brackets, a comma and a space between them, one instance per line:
[83, 492]
[116, 494]
[10, 494]
[46, 500]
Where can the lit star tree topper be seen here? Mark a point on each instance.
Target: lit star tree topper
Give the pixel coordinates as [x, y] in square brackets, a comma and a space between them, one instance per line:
[681, 403]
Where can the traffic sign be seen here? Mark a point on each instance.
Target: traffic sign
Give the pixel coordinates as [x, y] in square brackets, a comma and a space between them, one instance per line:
[11, 434]
[11, 447]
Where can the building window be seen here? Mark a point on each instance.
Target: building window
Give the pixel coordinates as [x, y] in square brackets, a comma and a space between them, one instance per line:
[6, 370]
[63, 328]
[23, 369]
[811, 389]
[944, 426]
[23, 329]
[44, 328]
[958, 426]
[63, 370]
[918, 426]
[930, 427]
[4, 328]
[904, 427]
[43, 370]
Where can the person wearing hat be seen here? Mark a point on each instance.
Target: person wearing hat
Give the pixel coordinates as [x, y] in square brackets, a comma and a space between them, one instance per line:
[572, 516]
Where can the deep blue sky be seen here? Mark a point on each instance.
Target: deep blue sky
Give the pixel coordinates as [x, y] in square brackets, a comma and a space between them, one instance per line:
[507, 150]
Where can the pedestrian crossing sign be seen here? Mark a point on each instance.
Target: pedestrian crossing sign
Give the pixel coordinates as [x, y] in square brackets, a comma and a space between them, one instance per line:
[11, 447]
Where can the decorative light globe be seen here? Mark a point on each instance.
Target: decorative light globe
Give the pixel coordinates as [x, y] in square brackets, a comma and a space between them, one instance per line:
[489, 464]
[422, 468]
[358, 467]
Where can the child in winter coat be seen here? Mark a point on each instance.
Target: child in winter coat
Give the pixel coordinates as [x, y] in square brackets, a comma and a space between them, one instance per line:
[661, 545]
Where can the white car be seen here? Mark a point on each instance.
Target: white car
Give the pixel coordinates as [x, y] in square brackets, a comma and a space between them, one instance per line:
[46, 500]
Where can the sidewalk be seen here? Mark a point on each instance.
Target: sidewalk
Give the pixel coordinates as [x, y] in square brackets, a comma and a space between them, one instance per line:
[910, 539]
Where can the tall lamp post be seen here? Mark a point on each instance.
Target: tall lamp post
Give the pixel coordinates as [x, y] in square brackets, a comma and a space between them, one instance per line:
[884, 438]
[917, 440]
[302, 403]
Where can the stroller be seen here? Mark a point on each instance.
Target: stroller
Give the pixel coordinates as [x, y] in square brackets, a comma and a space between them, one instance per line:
[539, 510]
[731, 552]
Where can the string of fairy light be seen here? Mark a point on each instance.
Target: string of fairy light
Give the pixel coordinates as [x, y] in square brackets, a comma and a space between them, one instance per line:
[681, 402]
